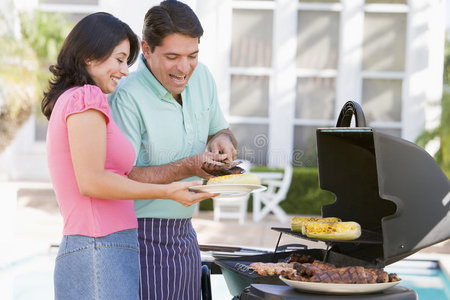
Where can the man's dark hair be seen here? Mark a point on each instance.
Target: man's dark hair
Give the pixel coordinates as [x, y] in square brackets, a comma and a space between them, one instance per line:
[169, 17]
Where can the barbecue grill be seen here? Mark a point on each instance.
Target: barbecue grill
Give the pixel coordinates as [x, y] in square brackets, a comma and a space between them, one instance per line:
[391, 187]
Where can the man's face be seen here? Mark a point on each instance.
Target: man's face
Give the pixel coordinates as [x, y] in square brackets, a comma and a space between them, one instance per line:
[173, 62]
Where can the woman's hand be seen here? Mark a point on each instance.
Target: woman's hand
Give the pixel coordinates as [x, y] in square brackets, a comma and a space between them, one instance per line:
[179, 192]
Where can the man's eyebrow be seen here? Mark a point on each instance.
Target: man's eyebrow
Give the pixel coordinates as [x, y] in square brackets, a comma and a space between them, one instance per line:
[177, 54]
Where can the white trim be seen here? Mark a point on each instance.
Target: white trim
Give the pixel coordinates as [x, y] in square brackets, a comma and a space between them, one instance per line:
[382, 75]
[324, 73]
[320, 6]
[251, 71]
[326, 123]
[223, 77]
[386, 8]
[348, 81]
[69, 8]
[261, 5]
[434, 86]
[282, 91]
[382, 124]
[422, 87]
[314, 122]
[248, 120]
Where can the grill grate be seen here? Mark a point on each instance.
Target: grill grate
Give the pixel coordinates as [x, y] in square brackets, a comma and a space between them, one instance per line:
[367, 237]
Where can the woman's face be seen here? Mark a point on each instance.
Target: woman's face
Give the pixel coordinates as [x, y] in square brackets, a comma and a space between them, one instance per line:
[107, 73]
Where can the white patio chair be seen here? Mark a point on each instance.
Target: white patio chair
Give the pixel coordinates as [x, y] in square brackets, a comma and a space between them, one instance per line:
[276, 192]
[232, 208]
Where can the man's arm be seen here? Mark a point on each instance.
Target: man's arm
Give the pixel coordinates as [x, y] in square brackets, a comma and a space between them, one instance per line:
[221, 147]
[177, 170]
[223, 142]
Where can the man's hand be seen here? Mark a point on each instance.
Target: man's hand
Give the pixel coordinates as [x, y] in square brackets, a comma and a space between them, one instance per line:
[194, 163]
[223, 142]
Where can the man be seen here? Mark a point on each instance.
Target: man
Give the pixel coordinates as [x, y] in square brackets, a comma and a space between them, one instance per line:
[169, 111]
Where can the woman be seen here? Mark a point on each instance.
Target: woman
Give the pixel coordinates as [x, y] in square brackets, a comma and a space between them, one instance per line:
[89, 160]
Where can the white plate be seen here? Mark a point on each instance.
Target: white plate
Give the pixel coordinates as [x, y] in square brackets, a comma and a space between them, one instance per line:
[229, 190]
[338, 288]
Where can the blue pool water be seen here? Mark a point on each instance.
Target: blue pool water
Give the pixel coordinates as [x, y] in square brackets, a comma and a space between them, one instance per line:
[32, 278]
[425, 277]
[434, 286]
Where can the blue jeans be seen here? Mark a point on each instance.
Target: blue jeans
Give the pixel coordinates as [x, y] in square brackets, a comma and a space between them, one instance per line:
[98, 268]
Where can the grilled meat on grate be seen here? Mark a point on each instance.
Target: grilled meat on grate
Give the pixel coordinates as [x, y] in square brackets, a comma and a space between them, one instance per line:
[300, 258]
[270, 269]
[306, 268]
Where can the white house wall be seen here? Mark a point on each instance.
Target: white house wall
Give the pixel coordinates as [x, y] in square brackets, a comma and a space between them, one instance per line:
[424, 67]
[422, 78]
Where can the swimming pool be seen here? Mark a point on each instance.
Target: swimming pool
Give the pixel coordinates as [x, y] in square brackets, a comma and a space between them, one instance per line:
[32, 278]
[426, 277]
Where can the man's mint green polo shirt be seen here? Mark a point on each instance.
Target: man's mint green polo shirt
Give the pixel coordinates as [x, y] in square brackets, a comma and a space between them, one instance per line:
[161, 130]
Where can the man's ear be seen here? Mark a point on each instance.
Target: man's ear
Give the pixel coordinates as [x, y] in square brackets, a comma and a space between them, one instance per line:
[145, 49]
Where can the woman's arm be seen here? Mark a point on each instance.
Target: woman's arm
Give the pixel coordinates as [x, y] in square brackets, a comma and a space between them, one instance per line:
[87, 140]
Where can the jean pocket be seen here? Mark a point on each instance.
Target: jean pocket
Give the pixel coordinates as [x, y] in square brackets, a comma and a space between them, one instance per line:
[124, 239]
[73, 244]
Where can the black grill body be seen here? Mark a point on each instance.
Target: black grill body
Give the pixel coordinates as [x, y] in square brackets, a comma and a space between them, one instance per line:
[391, 187]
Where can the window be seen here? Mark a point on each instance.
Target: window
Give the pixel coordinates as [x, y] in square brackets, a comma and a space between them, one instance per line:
[249, 96]
[315, 98]
[383, 68]
[384, 42]
[253, 142]
[251, 44]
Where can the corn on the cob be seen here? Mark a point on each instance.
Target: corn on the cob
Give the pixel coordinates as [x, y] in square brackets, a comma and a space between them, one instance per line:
[298, 222]
[333, 231]
[246, 178]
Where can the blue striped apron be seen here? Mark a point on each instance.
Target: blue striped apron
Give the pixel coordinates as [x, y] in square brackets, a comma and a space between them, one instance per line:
[170, 261]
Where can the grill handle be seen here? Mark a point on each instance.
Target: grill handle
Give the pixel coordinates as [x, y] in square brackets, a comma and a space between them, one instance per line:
[351, 108]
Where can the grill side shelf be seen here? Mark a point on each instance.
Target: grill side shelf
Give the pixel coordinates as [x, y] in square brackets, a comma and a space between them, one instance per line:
[367, 237]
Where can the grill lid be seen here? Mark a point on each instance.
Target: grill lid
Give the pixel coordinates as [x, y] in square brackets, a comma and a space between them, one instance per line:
[388, 185]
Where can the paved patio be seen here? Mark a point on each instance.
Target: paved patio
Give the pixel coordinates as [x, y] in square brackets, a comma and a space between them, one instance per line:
[39, 225]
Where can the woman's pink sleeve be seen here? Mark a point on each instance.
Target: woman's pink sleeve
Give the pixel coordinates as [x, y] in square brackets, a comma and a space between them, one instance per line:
[88, 97]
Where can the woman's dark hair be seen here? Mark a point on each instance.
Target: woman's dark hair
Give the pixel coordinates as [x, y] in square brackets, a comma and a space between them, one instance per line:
[169, 17]
[93, 38]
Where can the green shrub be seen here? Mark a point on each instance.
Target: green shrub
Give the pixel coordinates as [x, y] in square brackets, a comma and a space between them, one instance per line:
[304, 196]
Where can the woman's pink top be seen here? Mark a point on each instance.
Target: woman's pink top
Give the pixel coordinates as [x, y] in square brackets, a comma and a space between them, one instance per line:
[86, 215]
